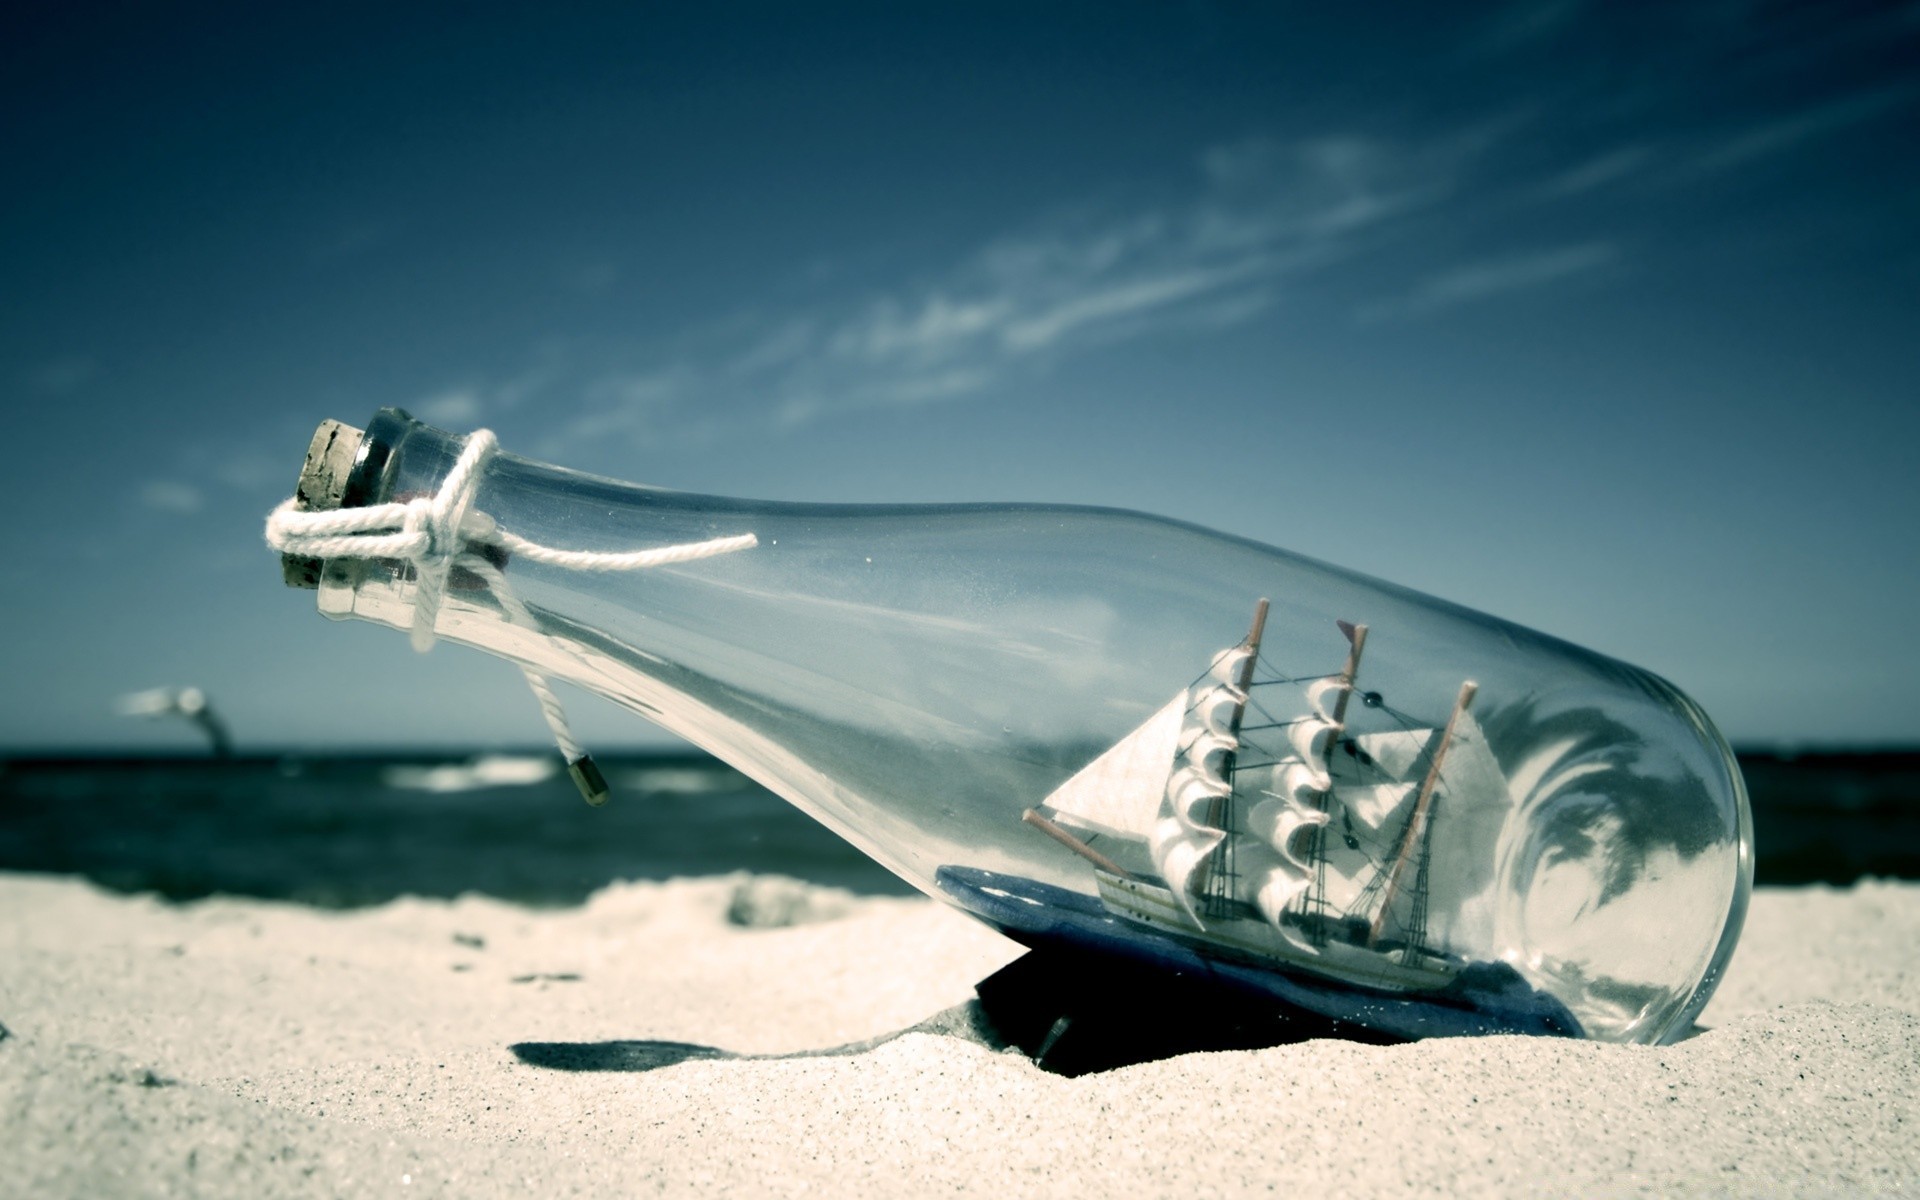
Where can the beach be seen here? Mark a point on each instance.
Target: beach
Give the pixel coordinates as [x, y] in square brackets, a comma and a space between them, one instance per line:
[663, 1038]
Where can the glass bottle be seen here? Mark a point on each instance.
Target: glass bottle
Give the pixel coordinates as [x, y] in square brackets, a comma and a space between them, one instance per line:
[1127, 735]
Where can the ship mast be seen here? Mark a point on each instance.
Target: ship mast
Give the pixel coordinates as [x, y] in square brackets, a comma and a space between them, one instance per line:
[1314, 903]
[1417, 823]
[1219, 877]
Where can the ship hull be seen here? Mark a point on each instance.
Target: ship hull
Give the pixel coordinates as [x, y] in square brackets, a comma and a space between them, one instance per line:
[1476, 998]
[1388, 970]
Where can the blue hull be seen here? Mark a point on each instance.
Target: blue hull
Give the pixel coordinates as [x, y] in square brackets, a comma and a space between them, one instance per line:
[1485, 998]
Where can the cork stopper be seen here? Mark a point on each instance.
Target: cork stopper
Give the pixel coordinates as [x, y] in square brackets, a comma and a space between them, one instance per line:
[323, 484]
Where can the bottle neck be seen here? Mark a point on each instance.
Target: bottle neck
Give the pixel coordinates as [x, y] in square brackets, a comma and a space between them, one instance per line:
[854, 652]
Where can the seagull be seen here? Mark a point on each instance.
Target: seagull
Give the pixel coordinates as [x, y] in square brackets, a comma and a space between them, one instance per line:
[189, 703]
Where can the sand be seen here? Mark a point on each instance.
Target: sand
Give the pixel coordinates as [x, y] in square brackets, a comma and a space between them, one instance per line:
[240, 1048]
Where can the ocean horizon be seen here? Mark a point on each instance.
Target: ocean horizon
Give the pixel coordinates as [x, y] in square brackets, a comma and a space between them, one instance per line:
[339, 829]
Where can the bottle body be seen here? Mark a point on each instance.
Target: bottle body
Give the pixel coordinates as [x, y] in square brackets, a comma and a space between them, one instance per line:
[998, 702]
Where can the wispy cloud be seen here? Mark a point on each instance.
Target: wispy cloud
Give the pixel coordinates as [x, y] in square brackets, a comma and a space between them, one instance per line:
[553, 368]
[1496, 277]
[1518, 26]
[1592, 174]
[632, 407]
[1783, 134]
[171, 496]
[456, 406]
[1255, 216]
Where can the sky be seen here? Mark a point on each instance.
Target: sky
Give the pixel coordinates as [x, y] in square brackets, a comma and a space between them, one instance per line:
[1601, 318]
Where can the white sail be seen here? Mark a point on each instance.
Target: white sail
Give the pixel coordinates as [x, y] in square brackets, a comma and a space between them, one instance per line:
[1364, 785]
[1178, 847]
[1395, 754]
[1375, 777]
[1324, 694]
[1214, 709]
[1276, 821]
[1209, 752]
[1273, 882]
[1272, 873]
[1120, 792]
[1188, 834]
[1192, 795]
[1227, 665]
[1187, 780]
[1472, 804]
[1310, 737]
[1299, 781]
[1275, 802]
[1375, 806]
[1194, 776]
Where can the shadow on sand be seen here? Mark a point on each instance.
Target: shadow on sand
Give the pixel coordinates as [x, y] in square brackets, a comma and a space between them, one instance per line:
[1070, 1017]
[964, 1021]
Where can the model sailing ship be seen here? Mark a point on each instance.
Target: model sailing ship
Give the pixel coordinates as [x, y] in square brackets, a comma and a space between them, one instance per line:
[1232, 832]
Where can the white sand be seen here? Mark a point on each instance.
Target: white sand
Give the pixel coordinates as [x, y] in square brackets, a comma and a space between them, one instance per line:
[236, 1048]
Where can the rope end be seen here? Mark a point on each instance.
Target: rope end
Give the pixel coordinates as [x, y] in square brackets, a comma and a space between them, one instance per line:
[587, 777]
[421, 636]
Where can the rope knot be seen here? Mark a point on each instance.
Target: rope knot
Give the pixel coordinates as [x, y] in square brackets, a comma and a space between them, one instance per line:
[436, 533]
[418, 521]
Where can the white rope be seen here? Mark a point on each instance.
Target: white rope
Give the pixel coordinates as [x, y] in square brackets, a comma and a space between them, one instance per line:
[436, 533]
[542, 690]
[630, 560]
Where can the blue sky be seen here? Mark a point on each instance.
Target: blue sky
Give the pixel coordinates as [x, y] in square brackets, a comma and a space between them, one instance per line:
[1605, 319]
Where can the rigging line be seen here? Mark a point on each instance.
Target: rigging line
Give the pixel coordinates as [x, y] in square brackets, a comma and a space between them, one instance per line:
[1406, 719]
[1193, 706]
[1273, 673]
[1369, 838]
[1283, 677]
[1277, 723]
[1204, 677]
[1260, 710]
[1193, 697]
[1263, 726]
[1361, 766]
[1410, 724]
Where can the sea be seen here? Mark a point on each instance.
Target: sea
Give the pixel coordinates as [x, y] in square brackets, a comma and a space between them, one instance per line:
[346, 830]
